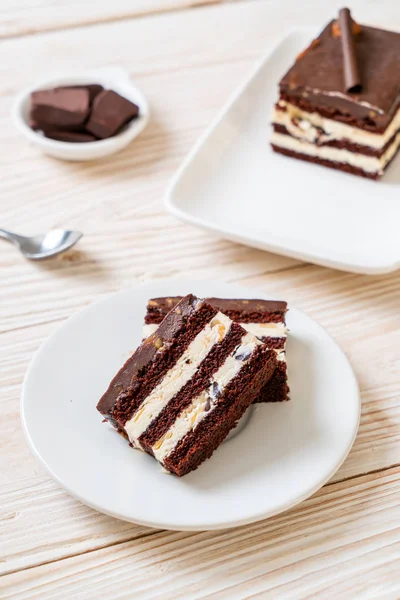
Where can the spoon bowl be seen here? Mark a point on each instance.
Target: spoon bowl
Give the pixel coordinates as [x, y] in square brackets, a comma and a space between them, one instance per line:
[43, 245]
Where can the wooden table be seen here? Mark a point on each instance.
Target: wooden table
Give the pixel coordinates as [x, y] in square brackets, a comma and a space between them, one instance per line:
[187, 56]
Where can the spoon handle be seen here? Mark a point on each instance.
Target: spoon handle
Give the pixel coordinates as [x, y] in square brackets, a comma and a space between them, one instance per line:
[11, 237]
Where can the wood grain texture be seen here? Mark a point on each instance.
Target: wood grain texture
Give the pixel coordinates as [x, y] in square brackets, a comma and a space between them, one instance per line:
[23, 17]
[324, 294]
[341, 543]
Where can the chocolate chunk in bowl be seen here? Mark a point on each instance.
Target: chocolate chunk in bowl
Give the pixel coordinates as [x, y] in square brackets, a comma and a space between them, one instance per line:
[59, 107]
[80, 113]
[110, 112]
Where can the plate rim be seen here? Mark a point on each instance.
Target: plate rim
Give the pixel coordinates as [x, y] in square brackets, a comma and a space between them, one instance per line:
[289, 248]
[167, 526]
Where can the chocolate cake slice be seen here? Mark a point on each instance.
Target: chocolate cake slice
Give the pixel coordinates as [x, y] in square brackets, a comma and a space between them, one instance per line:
[339, 104]
[263, 318]
[187, 385]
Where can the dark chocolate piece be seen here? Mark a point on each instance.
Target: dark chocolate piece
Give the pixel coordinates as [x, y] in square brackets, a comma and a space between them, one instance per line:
[60, 130]
[246, 306]
[45, 127]
[59, 108]
[352, 82]
[92, 88]
[110, 112]
[316, 79]
[70, 136]
[48, 129]
[242, 310]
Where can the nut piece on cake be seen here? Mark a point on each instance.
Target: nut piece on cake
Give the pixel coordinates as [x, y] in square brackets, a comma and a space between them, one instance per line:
[339, 104]
[263, 318]
[187, 385]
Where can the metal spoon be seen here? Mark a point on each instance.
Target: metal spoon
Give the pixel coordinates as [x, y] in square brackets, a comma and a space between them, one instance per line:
[45, 245]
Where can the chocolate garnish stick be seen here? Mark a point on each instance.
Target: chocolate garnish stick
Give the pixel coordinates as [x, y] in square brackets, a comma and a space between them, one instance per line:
[352, 81]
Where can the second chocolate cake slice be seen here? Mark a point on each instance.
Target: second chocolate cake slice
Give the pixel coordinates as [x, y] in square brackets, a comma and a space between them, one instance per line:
[263, 318]
[321, 119]
[187, 385]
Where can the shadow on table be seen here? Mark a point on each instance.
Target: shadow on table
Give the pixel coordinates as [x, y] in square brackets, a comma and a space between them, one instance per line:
[144, 153]
[76, 264]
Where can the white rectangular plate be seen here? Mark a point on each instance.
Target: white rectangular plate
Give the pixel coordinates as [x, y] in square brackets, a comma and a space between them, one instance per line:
[234, 185]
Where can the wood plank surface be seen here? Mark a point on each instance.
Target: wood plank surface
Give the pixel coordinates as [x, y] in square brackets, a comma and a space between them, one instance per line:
[342, 543]
[322, 293]
[344, 540]
[27, 17]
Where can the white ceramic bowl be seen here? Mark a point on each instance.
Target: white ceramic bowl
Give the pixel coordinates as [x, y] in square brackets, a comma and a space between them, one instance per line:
[113, 78]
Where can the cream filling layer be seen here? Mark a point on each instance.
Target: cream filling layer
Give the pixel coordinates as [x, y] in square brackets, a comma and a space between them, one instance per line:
[370, 164]
[182, 371]
[275, 330]
[203, 404]
[306, 124]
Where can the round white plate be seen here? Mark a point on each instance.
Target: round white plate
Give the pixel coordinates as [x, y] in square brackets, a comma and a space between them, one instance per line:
[283, 453]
